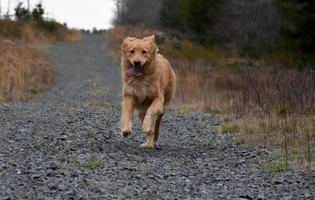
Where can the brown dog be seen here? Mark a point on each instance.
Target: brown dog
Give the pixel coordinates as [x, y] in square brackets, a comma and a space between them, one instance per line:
[148, 86]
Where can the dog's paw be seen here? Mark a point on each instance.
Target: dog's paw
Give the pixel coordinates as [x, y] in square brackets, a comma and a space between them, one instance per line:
[147, 146]
[126, 133]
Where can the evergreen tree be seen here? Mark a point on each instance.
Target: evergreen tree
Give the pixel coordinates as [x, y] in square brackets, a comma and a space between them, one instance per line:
[195, 17]
[169, 15]
[21, 13]
[198, 14]
[38, 13]
[299, 31]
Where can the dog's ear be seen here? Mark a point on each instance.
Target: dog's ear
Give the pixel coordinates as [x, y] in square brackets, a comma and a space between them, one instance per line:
[125, 42]
[151, 40]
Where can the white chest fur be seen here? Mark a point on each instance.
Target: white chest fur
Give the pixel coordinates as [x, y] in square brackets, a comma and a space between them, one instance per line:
[140, 88]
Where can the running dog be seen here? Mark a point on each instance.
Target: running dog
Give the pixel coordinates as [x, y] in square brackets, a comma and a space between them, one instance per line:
[149, 84]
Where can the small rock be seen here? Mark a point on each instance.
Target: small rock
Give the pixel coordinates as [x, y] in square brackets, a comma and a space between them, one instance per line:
[53, 166]
[286, 196]
[278, 182]
[307, 195]
[62, 187]
[49, 198]
[5, 198]
[52, 187]
[23, 130]
[245, 197]
[261, 196]
[35, 176]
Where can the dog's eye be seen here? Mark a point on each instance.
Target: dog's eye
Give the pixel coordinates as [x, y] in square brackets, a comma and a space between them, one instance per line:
[132, 51]
[144, 51]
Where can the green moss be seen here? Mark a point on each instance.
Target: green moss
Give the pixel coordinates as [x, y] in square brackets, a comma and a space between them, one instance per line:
[213, 111]
[232, 128]
[34, 91]
[92, 164]
[100, 104]
[241, 141]
[203, 125]
[89, 134]
[276, 166]
[283, 107]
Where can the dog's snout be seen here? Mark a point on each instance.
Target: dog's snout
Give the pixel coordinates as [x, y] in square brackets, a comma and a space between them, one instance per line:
[137, 63]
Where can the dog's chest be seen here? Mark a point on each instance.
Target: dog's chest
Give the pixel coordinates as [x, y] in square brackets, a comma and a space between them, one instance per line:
[141, 89]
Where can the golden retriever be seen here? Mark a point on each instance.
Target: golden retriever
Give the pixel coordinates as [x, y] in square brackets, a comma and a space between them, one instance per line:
[149, 84]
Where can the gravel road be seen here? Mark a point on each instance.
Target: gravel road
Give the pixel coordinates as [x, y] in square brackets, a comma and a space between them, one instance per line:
[66, 144]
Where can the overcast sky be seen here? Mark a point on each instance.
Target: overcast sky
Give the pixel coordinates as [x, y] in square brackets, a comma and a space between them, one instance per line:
[85, 14]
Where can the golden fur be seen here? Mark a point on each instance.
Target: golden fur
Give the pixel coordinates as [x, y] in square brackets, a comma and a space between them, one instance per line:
[148, 92]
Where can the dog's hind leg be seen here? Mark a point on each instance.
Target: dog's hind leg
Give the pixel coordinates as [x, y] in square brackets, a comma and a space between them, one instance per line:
[157, 128]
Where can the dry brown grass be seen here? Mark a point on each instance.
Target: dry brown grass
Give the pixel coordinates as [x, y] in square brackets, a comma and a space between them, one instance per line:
[24, 71]
[29, 31]
[271, 105]
[25, 31]
[72, 36]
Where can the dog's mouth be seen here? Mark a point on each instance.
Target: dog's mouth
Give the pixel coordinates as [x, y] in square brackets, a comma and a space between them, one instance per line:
[134, 70]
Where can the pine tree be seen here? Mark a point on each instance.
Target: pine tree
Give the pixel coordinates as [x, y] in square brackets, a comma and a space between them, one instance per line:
[198, 14]
[299, 32]
[169, 15]
[38, 13]
[194, 17]
[21, 13]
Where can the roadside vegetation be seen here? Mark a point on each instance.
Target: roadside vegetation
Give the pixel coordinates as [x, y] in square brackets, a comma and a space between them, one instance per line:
[24, 71]
[251, 63]
[24, 68]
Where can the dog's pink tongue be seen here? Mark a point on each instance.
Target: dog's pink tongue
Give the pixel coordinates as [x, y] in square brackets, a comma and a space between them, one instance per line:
[131, 72]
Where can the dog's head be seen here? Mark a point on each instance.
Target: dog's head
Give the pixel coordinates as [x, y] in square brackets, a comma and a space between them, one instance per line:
[138, 53]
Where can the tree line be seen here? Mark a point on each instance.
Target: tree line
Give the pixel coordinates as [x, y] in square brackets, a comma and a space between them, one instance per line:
[262, 25]
[36, 15]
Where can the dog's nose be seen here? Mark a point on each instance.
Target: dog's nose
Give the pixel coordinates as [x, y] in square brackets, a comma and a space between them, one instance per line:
[137, 63]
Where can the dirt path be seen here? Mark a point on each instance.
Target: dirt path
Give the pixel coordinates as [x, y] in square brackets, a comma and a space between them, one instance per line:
[66, 144]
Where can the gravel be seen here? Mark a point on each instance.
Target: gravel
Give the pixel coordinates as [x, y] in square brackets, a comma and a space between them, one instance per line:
[66, 144]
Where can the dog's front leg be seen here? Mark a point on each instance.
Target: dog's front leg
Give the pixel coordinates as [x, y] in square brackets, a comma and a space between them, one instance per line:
[127, 112]
[155, 109]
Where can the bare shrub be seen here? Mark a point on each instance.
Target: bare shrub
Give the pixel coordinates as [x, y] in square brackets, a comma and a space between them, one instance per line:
[248, 23]
[137, 12]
